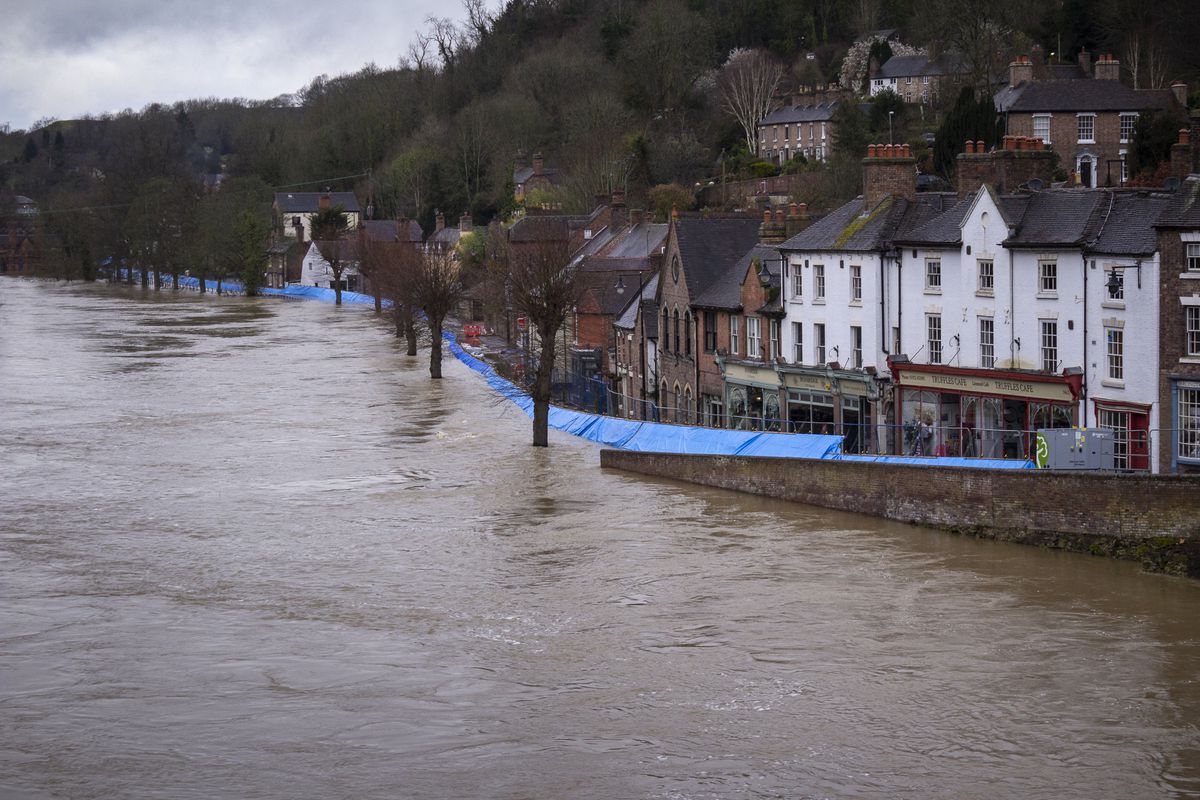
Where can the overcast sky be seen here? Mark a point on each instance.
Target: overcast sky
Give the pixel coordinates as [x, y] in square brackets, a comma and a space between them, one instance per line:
[66, 58]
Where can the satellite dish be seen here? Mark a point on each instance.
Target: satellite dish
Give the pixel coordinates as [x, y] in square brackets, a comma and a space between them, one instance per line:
[1036, 184]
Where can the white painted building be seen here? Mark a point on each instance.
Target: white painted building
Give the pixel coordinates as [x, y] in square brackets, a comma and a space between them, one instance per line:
[315, 270]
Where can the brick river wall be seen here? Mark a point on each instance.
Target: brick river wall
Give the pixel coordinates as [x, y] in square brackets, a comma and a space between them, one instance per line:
[1153, 519]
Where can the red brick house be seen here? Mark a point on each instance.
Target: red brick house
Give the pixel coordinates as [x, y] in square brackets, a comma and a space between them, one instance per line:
[1087, 121]
[1179, 320]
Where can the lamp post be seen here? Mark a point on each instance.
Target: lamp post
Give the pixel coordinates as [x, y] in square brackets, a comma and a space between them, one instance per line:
[890, 115]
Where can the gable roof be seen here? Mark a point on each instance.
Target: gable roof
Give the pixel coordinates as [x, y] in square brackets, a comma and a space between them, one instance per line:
[1059, 218]
[853, 228]
[393, 230]
[629, 314]
[1086, 94]
[911, 66]
[726, 291]
[710, 247]
[821, 112]
[525, 173]
[310, 202]
[1128, 224]
[1183, 211]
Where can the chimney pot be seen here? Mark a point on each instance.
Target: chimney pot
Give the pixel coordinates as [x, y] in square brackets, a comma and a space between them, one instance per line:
[1185, 136]
[970, 147]
[804, 210]
[766, 216]
[792, 210]
[779, 215]
[870, 151]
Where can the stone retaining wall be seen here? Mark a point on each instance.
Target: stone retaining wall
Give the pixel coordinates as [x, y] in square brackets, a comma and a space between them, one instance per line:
[1154, 519]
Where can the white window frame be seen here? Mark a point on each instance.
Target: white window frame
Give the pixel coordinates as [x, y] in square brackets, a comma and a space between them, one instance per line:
[856, 283]
[1127, 131]
[1187, 436]
[1038, 119]
[856, 349]
[1090, 119]
[819, 352]
[773, 345]
[933, 275]
[1191, 330]
[1124, 165]
[797, 282]
[1191, 256]
[734, 344]
[987, 342]
[798, 342]
[818, 282]
[1048, 338]
[987, 286]
[933, 337]
[753, 337]
[1114, 347]
[1048, 277]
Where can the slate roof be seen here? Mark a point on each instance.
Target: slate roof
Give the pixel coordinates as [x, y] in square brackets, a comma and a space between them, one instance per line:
[638, 241]
[393, 230]
[821, 112]
[525, 173]
[851, 229]
[310, 202]
[1081, 95]
[1128, 227]
[906, 66]
[726, 292]
[629, 313]
[1184, 209]
[540, 229]
[944, 229]
[1060, 218]
[710, 247]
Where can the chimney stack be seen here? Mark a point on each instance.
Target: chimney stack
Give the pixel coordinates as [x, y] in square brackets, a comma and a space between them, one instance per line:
[324, 202]
[538, 164]
[1020, 71]
[520, 161]
[888, 170]
[1019, 160]
[1179, 89]
[1108, 68]
[1085, 62]
[439, 221]
[465, 224]
[773, 230]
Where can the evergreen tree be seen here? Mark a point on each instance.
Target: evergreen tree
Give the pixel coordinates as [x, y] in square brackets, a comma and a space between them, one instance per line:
[251, 234]
[972, 117]
[31, 150]
[1153, 134]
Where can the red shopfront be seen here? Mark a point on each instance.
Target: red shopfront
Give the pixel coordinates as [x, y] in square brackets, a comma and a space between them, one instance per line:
[985, 413]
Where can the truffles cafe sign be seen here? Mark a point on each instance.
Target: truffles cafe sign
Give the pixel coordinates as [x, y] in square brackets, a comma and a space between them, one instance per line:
[1058, 392]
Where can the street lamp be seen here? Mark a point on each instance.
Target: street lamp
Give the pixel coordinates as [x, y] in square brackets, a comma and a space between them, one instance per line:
[890, 115]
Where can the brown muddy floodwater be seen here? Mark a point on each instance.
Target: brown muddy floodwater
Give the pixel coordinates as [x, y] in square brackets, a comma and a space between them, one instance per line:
[249, 550]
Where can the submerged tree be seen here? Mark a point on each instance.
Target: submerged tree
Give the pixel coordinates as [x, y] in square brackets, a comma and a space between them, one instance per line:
[329, 225]
[436, 288]
[544, 287]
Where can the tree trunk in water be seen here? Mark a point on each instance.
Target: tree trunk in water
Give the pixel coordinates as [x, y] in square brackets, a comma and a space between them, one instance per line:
[218, 285]
[157, 280]
[435, 348]
[378, 301]
[175, 280]
[541, 390]
[144, 277]
[200, 281]
[410, 333]
[398, 318]
[129, 275]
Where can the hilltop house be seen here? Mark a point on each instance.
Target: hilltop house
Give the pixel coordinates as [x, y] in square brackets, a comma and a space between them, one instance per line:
[805, 130]
[917, 79]
[293, 212]
[1088, 121]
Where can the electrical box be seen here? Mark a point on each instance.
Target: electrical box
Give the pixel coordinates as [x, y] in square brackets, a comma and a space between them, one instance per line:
[1075, 448]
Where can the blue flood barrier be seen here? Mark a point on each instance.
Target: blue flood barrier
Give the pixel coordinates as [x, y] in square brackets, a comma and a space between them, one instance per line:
[659, 437]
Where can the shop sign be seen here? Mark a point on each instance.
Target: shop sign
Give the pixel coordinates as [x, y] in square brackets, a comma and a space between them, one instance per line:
[795, 380]
[759, 376]
[975, 384]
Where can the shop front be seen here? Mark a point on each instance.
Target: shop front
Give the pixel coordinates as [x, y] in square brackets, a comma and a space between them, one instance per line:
[751, 395]
[826, 400]
[952, 411]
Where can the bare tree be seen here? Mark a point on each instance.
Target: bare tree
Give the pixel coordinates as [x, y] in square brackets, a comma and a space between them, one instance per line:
[545, 288]
[747, 84]
[329, 225]
[436, 288]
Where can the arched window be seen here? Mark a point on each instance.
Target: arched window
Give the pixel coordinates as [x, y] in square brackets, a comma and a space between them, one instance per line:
[678, 404]
[666, 332]
[687, 403]
[677, 331]
[687, 333]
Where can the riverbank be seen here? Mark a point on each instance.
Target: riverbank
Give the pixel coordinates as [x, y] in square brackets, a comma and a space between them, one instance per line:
[1144, 518]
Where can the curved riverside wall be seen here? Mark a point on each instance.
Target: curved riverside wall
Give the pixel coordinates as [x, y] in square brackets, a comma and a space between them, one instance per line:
[1154, 519]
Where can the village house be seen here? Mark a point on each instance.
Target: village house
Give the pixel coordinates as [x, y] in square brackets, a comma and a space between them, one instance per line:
[636, 334]
[293, 212]
[530, 175]
[797, 130]
[699, 252]
[1179, 320]
[1088, 121]
[918, 79]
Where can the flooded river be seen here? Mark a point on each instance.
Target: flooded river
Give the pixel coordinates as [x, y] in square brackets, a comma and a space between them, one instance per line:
[249, 550]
